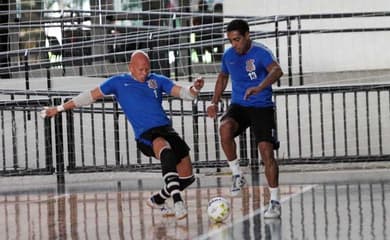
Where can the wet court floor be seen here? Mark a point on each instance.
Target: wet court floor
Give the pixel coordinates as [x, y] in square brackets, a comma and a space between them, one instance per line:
[341, 204]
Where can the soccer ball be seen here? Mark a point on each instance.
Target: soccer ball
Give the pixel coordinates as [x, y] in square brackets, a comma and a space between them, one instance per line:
[218, 209]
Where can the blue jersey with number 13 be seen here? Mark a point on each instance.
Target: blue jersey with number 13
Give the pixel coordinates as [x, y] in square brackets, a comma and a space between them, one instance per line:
[246, 71]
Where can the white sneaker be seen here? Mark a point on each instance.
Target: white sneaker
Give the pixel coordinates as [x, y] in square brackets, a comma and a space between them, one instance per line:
[238, 182]
[274, 210]
[180, 210]
[164, 209]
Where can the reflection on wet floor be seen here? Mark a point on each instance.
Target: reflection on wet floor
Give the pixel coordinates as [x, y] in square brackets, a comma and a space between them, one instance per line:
[320, 211]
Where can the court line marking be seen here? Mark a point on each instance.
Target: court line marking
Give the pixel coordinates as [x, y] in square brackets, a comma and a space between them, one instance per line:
[55, 197]
[214, 233]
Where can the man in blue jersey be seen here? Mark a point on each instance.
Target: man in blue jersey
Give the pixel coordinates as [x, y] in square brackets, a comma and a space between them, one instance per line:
[252, 69]
[140, 93]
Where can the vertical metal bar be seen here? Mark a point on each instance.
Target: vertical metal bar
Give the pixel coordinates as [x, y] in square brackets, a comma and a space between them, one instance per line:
[243, 146]
[37, 155]
[116, 133]
[300, 52]
[277, 50]
[104, 133]
[216, 142]
[289, 52]
[139, 160]
[276, 123]
[299, 127]
[176, 52]
[25, 139]
[181, 118]
[287, 127]
[379, 123]
[70, 139]
[368, 124]
[3, 138]
[81, 48]
[253, 150]
[14, 137]
[26, 71]
[59, 140]
[82, 137]
[310, 127]
[356, 123]
[345, 127]
[93, 135]
[195, 130]
[62, 35]
[189, 65]
[48, 145]
[127, 141]
[333, 124]
[206, 146]
[322, 126]
[48, 78]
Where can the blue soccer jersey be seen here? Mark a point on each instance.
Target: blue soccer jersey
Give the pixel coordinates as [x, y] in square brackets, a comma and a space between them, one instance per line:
[246, 71]
[140, 101]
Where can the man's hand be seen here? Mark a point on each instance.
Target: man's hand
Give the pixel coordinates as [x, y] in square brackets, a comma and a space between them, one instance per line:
[198, 84]
[51, 111]
[212, 110]
[251, 91]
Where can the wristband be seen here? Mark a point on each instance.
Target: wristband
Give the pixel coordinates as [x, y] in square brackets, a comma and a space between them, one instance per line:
[60, 108]
[194, 89]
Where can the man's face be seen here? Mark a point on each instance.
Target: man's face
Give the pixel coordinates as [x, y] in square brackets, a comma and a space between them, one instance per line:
[140, 67]
[239, 42]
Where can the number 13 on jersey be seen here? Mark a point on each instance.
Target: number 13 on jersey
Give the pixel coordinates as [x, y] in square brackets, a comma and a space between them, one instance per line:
[252, 75]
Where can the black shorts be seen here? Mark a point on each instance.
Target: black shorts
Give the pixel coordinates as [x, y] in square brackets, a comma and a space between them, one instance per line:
[178, 145]
[261, 121]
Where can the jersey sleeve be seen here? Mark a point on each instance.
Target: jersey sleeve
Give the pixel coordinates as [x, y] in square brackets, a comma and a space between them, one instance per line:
[166, 84]
[107, 87]
[267, 57]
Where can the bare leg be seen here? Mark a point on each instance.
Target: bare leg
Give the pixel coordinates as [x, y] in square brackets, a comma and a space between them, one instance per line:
[184, 168]
[227, 130]
[271, 167]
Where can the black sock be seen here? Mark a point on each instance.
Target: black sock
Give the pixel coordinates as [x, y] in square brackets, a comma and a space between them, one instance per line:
[161, 196]
[177, 197]
[171, 177]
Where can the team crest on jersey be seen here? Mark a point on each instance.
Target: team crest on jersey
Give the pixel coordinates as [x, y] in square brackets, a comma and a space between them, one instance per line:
[250, 65]
[152, 84]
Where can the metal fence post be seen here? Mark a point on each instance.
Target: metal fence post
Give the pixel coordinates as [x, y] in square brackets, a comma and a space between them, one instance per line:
[48, 146]
[59, 140]
[115, 115]
[70, 139]
[195, 130]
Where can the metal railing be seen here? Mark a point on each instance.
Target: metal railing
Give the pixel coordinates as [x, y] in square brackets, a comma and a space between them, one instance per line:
[315, 125]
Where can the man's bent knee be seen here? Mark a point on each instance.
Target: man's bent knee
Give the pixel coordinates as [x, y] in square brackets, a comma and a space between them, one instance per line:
[227, 129]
